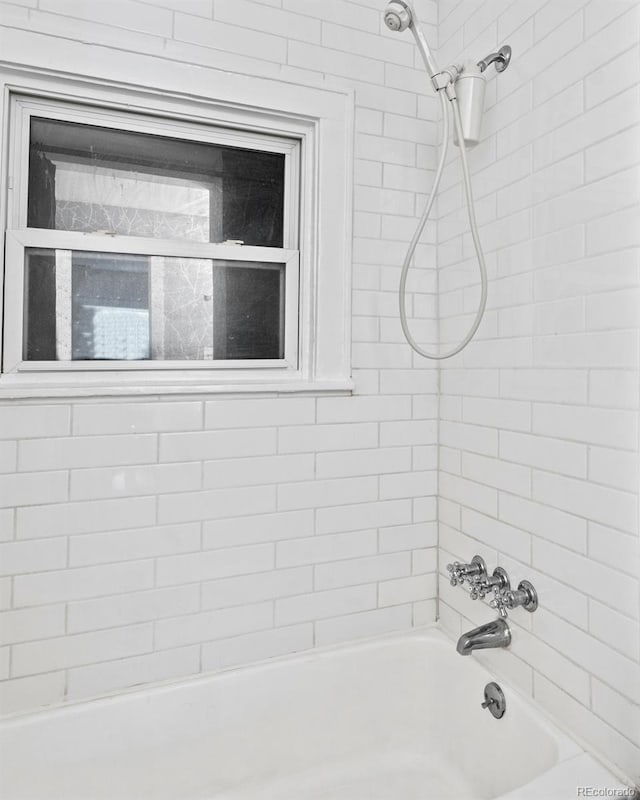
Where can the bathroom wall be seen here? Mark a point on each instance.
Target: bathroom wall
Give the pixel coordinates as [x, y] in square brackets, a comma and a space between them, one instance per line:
[539, 416]
[318, 514]
[321, 519]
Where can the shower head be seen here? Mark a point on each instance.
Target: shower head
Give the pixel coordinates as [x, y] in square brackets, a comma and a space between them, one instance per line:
[397, 16]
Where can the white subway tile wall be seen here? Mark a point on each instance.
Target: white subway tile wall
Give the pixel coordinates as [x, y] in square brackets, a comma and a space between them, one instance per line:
[539, 466]
[146, 541]
[150, 540]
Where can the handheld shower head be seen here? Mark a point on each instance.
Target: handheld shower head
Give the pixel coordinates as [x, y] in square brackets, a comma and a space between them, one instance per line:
[397, 16]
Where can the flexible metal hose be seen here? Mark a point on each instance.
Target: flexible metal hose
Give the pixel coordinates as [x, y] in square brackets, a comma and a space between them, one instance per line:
[423, 220]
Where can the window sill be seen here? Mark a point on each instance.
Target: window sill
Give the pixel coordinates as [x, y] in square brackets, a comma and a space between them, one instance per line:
[21, 387]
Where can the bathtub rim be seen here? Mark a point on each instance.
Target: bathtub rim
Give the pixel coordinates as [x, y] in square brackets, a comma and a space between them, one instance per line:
[431, 630]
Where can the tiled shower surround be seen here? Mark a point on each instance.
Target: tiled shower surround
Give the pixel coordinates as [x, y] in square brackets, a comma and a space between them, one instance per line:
[152, 539]
[538, 425]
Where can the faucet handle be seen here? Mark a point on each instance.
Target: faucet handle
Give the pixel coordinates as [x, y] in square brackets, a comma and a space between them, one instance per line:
[456, 573]
[478, 587]
[500, 601]
[525, 595]
[460, 572]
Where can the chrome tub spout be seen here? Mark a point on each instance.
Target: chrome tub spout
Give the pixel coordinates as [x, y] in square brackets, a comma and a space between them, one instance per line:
[491, 634]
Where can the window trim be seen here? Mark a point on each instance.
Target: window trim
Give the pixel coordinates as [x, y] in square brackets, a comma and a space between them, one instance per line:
[320, 118]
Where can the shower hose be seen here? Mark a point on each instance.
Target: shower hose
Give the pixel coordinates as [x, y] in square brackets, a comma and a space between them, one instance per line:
[423, 220]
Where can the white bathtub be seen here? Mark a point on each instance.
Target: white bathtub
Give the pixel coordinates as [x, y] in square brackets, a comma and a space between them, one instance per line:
[397, 718]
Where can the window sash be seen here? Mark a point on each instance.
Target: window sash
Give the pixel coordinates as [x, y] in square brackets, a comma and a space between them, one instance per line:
[26, 107]
[18, 240]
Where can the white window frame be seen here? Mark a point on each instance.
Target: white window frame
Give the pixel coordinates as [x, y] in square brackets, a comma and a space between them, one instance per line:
[317, 274]
[19, 237]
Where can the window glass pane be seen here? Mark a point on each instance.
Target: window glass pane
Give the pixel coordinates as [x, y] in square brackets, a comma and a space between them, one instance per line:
[89, 178]
[103, 306]
[248, 310]
[109, 305]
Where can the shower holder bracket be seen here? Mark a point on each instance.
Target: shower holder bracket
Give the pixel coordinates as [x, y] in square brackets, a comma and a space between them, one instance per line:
[440, 80]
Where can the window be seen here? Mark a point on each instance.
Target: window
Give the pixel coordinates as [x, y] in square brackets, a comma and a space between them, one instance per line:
[201, 263]
[148, 246]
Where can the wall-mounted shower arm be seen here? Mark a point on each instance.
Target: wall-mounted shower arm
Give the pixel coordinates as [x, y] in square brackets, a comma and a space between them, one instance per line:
[501, 59]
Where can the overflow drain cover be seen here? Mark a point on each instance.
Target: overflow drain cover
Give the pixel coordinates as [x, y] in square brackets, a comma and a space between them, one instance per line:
[494, 700]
